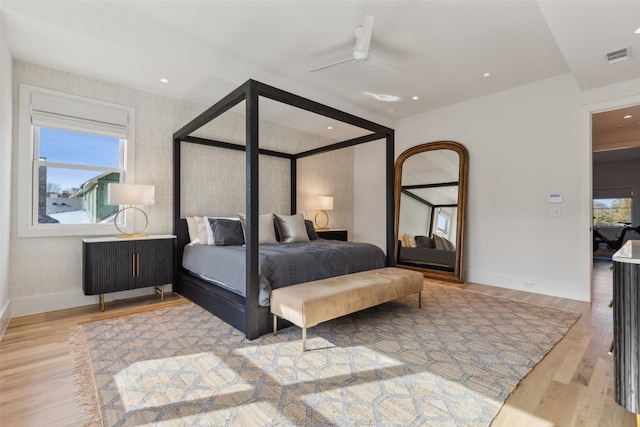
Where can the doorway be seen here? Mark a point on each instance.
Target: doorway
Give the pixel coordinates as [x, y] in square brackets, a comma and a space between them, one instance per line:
[615, 177]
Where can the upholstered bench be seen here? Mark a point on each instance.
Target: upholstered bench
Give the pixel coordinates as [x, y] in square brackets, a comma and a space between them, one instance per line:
[310, 303]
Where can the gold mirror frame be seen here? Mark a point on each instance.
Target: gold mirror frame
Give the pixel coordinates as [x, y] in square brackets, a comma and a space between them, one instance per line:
[457, 274]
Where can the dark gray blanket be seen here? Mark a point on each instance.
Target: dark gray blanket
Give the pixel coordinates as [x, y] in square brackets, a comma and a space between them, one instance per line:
[281, 264]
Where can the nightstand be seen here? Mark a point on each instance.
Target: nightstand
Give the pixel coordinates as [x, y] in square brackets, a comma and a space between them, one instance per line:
[112, 264]
[333, 234]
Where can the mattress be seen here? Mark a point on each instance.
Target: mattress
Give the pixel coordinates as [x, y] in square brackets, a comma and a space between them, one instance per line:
[280, 265]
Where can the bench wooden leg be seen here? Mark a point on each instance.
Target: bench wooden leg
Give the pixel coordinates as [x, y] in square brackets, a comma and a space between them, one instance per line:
[275, 325]
[304, 339]
[419, 299]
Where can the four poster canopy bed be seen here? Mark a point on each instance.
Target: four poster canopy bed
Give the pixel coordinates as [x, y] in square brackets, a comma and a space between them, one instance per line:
[251, 258]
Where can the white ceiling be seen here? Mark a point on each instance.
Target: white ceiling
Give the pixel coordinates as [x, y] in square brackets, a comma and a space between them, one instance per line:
[208, 48]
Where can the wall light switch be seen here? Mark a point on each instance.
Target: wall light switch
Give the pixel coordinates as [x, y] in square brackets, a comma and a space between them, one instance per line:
[555, 212]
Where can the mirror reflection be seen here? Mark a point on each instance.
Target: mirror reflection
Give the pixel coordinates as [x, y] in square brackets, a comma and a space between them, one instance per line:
[430, 183]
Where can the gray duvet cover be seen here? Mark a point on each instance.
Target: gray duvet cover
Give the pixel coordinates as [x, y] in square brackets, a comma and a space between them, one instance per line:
[281, 264]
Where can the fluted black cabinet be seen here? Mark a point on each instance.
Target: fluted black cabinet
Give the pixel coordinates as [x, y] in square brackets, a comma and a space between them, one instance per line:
[626, 326]
[117, 264]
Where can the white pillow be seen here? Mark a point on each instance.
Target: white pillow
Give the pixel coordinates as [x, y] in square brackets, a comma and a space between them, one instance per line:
[292, 228]
[202, 230]
[192, 225]
[266, 229]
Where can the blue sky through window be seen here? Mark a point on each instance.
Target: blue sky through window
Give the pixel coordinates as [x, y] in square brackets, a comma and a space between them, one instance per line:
[607, 203]
[79, 149]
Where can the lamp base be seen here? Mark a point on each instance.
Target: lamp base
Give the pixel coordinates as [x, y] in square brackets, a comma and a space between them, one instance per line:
[136, 233]
[326, 222]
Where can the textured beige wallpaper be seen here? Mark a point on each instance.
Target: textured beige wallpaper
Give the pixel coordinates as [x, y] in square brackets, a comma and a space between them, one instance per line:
[213, 182]
[42, 266]
[328, 174]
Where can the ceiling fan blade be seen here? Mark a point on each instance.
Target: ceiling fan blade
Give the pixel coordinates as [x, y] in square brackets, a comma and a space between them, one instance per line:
[363, 39]
[332, 64]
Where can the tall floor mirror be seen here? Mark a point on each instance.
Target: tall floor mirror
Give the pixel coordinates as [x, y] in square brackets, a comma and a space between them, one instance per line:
[430, 194]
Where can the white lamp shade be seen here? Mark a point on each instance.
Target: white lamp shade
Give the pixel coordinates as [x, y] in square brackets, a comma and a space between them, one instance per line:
[324, 203]
[130, 194]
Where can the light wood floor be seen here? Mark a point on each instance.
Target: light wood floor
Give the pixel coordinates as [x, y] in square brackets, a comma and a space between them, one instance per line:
[571, 386]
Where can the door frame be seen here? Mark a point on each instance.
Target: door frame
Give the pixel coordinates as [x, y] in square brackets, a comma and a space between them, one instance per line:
[585, 243]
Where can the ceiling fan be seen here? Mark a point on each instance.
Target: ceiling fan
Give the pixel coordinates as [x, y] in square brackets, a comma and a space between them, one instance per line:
[361, 51]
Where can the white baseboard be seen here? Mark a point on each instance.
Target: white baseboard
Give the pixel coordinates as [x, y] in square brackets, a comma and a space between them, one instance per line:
[5, 316]
[530, 284]
[68, 299]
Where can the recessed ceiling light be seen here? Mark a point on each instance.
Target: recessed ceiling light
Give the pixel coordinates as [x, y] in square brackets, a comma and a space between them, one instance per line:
[637, 31]
[486, 75]
[329, 127]
[415, 98]
[163, 80]
[628, 116]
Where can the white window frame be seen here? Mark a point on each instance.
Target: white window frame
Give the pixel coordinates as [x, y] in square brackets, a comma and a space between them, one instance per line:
[28, 167]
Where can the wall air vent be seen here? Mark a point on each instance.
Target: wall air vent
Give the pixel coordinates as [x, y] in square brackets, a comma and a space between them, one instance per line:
[619, 55]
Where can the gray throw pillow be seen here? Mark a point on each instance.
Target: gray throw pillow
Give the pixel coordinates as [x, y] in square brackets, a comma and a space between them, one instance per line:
[292, 228]
[443, 244]
[266, 228]
[226, 232]
[424, 242]
[311, 231]
[438, 242]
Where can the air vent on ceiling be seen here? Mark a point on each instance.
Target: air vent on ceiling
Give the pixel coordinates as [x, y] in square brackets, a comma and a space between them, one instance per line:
[619, 55]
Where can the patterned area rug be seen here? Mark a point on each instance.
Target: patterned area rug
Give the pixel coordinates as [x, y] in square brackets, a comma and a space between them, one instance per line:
[451, 363]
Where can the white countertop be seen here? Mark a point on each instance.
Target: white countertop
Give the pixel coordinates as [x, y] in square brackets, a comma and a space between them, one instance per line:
[629, 252]
[124, 239]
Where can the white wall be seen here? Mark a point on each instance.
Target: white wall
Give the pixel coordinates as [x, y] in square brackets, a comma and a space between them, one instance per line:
[414, 217]
[369, 218]
[5, 178]
[522, 147]
[524, 144]
[46, 273]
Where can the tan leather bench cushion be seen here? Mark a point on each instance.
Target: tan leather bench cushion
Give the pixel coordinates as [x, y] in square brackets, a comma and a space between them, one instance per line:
[310, 303]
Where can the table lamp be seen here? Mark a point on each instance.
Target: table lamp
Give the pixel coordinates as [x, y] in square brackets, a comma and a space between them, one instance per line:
[322, 204]
[130, 195]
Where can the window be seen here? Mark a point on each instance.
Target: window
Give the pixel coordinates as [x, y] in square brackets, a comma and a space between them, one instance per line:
[443, 223]
[72, 172]
[611, 212]
[612, 206]
[71, 148]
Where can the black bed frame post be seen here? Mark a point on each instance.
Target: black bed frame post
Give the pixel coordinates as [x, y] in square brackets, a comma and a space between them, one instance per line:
[176, 201]
[294, 185]
[390, 157]
[252, 144]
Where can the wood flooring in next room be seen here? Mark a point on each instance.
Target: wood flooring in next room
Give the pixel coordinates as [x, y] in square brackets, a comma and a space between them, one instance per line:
[571, 386]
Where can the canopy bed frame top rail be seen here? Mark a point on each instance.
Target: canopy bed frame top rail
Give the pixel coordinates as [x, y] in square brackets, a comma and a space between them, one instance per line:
[255, 320]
